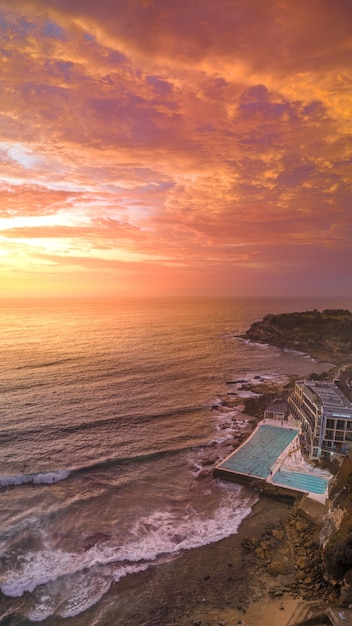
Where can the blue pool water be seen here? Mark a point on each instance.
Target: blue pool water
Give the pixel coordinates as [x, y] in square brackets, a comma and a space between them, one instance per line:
[297, 480]
[260, 452]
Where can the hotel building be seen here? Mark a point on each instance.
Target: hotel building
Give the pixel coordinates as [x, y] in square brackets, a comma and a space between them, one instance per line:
[325, 415]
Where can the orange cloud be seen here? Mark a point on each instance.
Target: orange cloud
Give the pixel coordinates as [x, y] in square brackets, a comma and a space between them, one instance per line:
[160, 146]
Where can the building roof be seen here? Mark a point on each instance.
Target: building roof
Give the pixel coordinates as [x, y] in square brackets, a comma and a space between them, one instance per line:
[335, 404]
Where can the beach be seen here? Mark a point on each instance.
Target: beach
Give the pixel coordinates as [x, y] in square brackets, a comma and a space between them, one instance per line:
[239, 587]
[221, 583]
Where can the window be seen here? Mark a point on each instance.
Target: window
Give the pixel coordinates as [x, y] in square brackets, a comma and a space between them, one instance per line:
[331, 423]
[340, 425]
[329, 434]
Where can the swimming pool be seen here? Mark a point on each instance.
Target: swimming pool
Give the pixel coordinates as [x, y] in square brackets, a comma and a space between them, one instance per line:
[259, 453]
[304, 482]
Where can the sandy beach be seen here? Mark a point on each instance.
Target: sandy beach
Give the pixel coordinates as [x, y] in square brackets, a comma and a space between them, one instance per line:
[265, 612]
[239, 588]
[222, 583]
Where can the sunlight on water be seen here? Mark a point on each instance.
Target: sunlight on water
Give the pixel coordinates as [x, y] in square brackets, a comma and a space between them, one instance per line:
[108, 439]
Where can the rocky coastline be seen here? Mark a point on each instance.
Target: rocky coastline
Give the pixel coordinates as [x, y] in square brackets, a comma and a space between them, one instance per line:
[305, 558]
[324, 335]
[261, 576]
[286, 559]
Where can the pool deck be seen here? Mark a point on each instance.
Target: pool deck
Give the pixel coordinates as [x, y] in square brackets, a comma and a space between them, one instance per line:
[262, 461]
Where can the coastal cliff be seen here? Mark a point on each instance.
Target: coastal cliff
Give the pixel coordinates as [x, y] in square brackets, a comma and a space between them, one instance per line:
[336, 548]
[324, 335]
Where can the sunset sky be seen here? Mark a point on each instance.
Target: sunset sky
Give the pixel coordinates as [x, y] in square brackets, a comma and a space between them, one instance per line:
[176, 147]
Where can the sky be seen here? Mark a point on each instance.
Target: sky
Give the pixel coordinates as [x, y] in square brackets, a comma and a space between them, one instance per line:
[163, 147]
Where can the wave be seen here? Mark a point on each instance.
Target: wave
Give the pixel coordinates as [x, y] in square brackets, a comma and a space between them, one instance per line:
[54, 476]
[46, 364]
[138, 458]
[40, 478]
[130, 419]
[65, 583]
[133, 419]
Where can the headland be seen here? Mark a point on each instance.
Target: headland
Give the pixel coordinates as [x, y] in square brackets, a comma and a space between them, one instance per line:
[301, 559]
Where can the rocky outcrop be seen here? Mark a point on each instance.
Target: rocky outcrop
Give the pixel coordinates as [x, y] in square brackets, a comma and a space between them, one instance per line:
[291, 559]
[326, 335]
[306, 558]
[337, 534]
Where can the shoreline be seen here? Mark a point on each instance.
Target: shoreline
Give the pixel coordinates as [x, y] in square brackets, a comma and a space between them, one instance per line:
[246, 596]
[223, 583]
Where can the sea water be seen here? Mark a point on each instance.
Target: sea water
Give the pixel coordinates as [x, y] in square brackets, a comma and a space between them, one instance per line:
[107, 420]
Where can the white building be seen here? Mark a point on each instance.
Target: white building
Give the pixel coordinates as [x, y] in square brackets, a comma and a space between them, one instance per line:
[326, 418]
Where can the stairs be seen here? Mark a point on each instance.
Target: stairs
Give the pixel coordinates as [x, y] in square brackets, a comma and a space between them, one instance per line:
[318, 614]
[309, 613]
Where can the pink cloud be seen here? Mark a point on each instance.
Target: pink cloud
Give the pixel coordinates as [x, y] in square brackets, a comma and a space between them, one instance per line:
[211, 137]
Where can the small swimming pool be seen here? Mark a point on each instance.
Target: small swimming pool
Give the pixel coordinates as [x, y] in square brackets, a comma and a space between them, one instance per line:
[304, 482]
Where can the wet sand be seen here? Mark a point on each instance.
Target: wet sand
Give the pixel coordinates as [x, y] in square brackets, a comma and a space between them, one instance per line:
[238, 590]
[221, 583]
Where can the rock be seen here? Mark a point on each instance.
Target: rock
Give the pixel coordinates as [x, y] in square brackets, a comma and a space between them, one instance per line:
[278, 534]
[301, 526]
[249, 543]
[303, 563]
[285, 551]
[260, 553]
[276, 593]
[278, 567]
[310, 544]
[211, 459]
[204, 473]
[345, 594]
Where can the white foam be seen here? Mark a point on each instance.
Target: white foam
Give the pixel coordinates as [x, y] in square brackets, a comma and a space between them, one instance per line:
[253, 379]
[89, 588]
[64, 583]
[245, 393]
[162, 532]
[37, 479]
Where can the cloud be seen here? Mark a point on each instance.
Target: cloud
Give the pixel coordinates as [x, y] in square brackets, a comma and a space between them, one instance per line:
[190, 135]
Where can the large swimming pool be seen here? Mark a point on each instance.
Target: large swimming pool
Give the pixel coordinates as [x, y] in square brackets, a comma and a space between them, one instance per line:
[261, 451]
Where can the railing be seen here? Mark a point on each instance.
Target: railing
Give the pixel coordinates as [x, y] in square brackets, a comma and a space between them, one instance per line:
[336, 449]
[301, 413]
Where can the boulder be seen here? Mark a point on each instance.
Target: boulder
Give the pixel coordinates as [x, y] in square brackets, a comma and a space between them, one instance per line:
[301, 526]
[278, 534]
[278, 567]
[303, 562]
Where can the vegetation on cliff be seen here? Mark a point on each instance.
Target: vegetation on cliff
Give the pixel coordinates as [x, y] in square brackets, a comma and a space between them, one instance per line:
[325, 335]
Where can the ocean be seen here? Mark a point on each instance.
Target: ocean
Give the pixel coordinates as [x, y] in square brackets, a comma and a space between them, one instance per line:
[107, 424]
